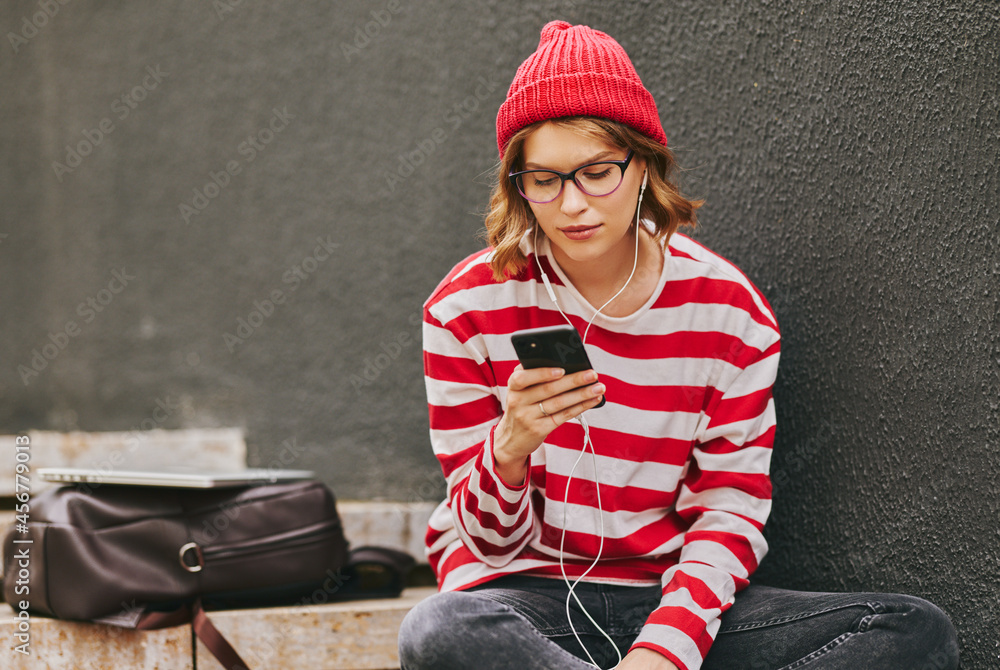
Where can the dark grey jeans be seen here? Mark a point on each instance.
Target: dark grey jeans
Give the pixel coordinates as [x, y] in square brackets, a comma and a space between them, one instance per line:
[519, 623]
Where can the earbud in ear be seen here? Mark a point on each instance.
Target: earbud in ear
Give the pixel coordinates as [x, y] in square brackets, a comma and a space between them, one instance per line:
[638, 208]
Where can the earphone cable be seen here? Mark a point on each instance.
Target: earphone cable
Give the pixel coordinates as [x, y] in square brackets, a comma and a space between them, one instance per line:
[587, 443]
[600, 549]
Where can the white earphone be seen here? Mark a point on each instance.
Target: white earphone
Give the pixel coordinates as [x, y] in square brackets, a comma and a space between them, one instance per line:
[587, 442]
[548, 284]
[545, 280]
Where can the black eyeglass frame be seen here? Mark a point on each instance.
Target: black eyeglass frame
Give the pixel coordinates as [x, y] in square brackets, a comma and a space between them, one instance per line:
[515, 178]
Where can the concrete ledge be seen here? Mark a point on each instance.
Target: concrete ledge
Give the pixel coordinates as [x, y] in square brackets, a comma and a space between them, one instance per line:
[358, 635]
[69, 645]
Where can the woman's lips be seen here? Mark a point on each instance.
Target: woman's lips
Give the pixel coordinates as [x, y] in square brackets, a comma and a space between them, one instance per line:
[580, 232]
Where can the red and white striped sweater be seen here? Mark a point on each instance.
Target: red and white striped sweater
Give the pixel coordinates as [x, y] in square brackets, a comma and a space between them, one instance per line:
[683, 444]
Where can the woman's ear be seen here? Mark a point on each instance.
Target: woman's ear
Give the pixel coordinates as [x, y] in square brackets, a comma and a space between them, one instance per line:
[643, 164]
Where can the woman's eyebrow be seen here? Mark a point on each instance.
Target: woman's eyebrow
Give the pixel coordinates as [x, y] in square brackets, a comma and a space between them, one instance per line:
[593, 159]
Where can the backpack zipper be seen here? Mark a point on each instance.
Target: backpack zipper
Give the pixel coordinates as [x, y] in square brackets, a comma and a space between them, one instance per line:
[294, 538]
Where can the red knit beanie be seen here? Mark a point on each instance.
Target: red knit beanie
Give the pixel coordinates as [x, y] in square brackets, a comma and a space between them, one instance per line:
[577, 71]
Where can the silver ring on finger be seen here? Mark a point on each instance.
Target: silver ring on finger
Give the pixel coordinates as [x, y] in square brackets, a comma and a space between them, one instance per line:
[542, 408]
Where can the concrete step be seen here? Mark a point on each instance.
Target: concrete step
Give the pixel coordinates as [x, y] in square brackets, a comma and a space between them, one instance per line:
[69, 645]
[358, 635]
[344, 636]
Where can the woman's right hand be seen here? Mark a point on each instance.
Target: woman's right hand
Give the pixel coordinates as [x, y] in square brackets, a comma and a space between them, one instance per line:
[524, 426]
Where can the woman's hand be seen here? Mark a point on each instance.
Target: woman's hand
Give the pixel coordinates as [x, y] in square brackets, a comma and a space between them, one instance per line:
[645, 659]
[524, 426]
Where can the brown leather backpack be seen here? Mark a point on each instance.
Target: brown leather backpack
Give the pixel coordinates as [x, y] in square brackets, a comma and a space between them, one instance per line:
[151, 557]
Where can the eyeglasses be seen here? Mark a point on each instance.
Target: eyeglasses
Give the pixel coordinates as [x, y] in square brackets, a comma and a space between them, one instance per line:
[596, 179]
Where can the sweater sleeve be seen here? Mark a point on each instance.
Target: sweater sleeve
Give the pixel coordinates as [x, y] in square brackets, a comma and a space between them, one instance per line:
[725, 496]
[493, 520]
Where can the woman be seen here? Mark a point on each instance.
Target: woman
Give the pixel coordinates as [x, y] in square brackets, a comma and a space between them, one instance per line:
[639, 555]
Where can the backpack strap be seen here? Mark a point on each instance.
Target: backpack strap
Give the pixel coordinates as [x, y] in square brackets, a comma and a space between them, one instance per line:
[373, 572]
[202, 626]
[214, 641]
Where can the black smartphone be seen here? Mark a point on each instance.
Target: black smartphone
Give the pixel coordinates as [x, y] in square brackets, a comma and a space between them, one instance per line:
[552, 347]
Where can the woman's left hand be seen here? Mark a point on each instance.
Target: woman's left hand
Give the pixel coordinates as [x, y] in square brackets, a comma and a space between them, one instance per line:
[645, 659]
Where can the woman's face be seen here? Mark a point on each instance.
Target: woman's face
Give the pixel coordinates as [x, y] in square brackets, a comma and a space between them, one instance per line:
[583, 229]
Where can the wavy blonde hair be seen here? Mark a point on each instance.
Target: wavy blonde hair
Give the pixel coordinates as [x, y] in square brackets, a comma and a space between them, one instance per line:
[510, 216]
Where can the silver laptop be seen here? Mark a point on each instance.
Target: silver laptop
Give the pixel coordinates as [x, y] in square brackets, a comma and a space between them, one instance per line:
[174, 476]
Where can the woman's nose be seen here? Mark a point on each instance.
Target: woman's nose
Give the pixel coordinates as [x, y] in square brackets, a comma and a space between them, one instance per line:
[574, 200]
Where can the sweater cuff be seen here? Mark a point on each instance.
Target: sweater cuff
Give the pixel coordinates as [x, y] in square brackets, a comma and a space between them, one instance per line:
[680, 630]
[666, 654]
[509, 492]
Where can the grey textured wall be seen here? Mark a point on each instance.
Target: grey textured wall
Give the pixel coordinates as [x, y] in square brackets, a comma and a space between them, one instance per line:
[336, 157]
